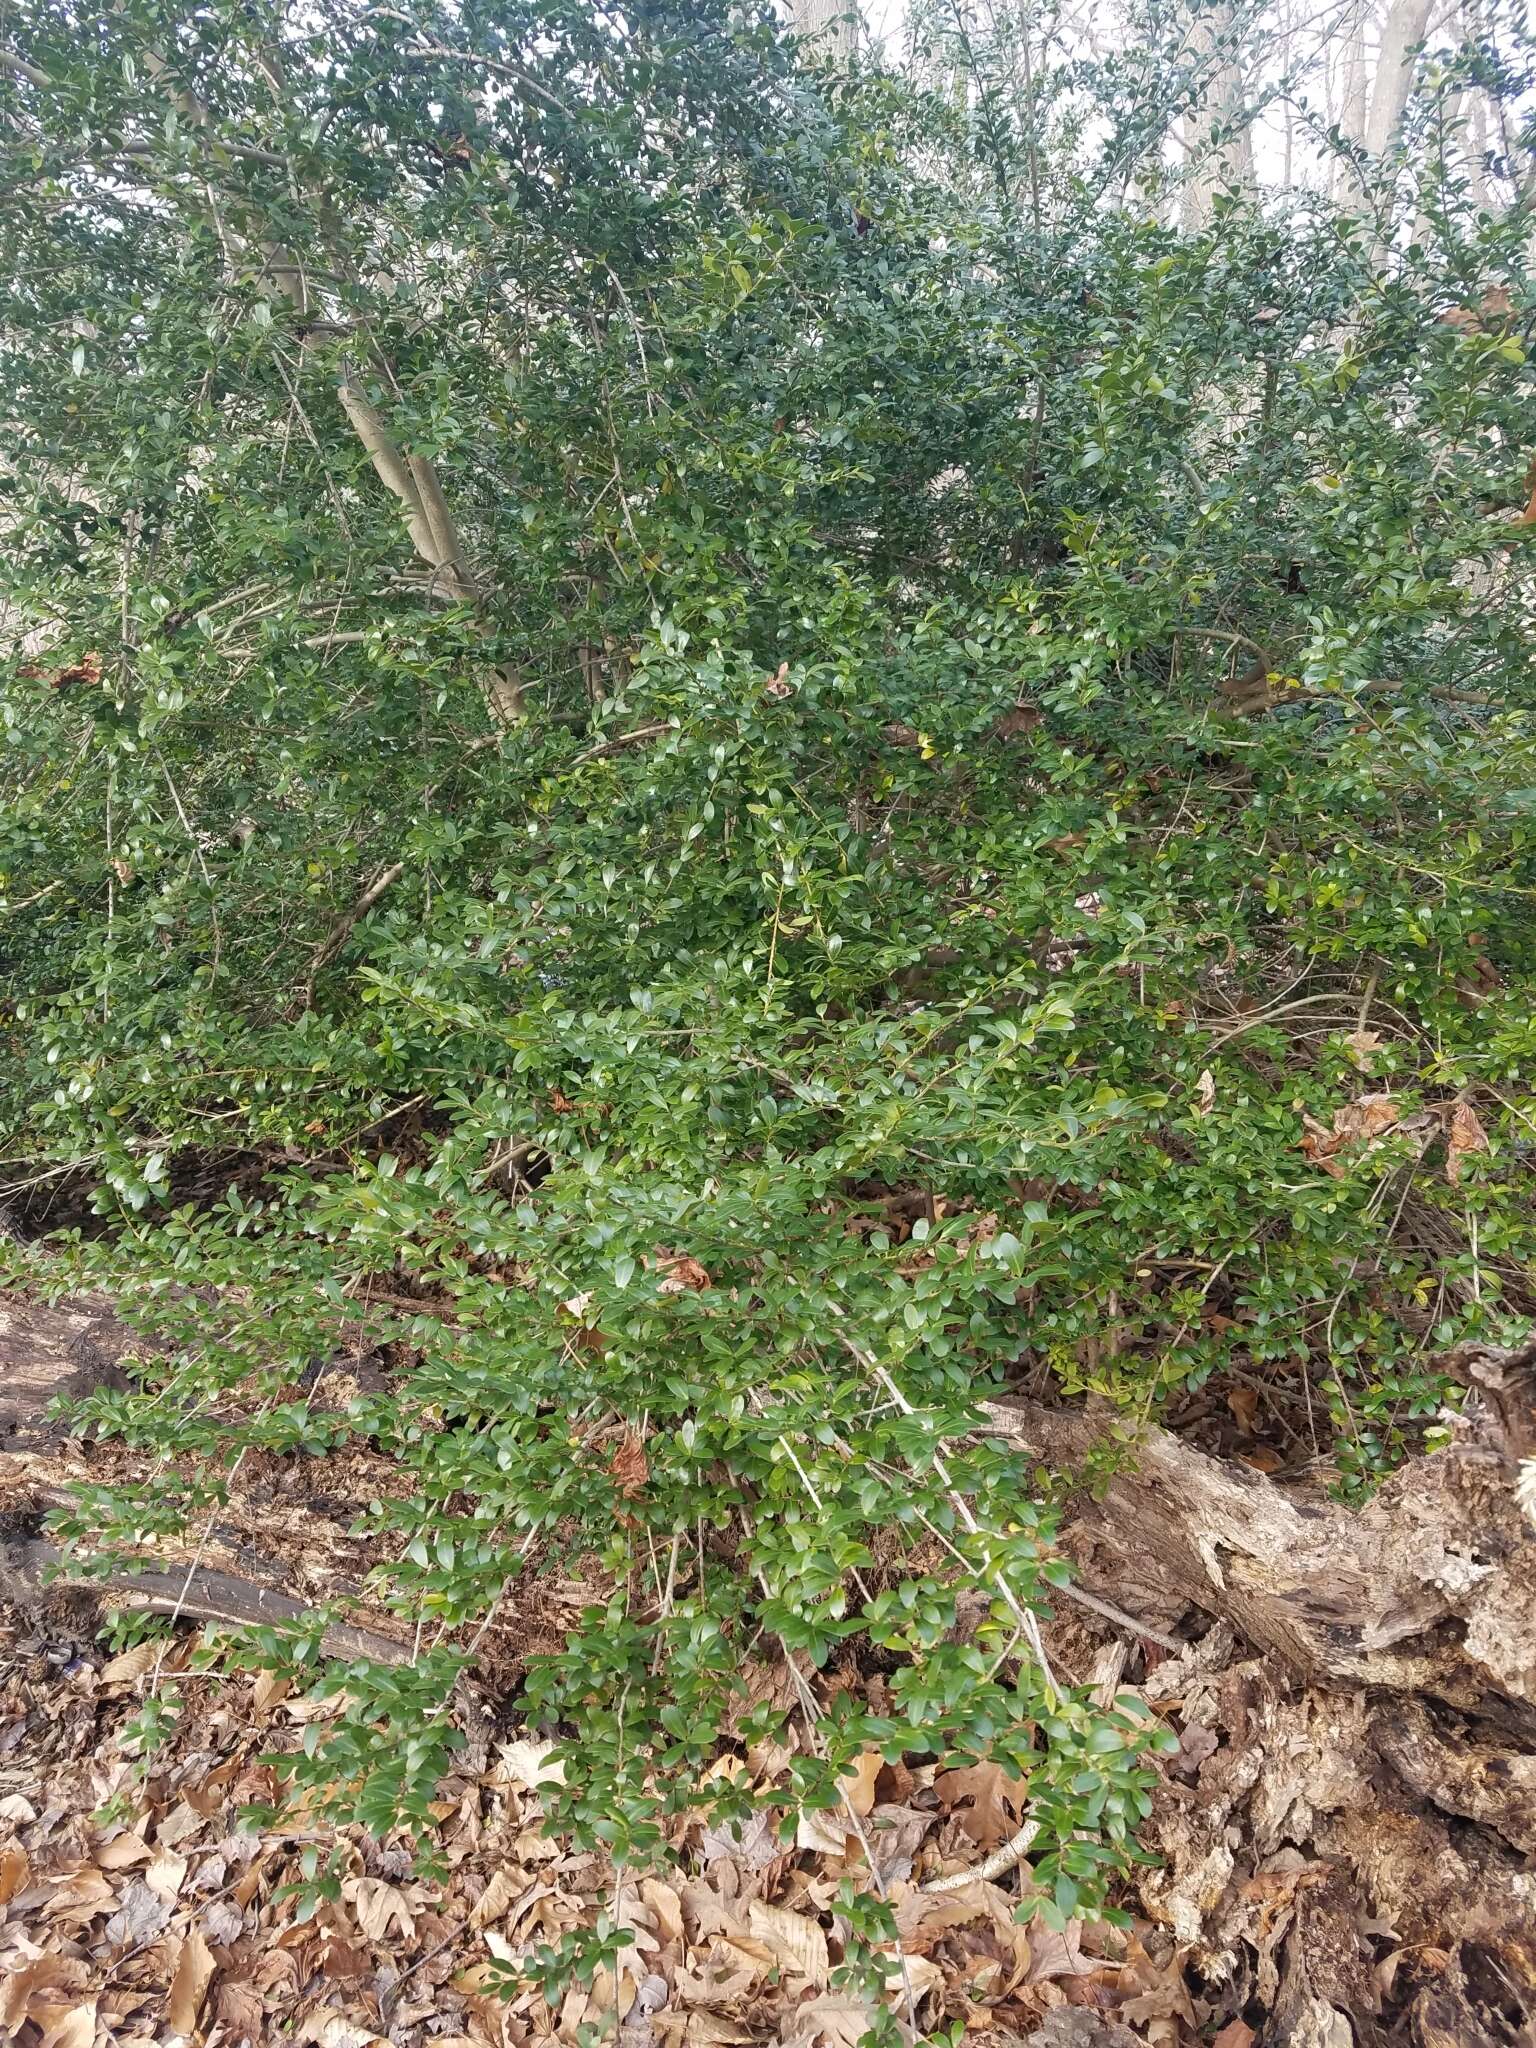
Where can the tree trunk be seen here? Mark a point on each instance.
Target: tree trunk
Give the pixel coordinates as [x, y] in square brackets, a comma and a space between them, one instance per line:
[1218, 133]
[1353, 103]
[1401, 32]
[828, 23]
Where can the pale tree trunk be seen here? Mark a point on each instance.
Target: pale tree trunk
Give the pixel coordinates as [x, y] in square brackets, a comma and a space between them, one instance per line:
[1218, 137]
[1402, 30]
[829, 23]
[1382, 113]
[1476, 137]
[1352, 94]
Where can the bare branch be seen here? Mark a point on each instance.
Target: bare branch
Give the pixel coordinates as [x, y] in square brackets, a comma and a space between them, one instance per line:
[9, 61]
[337, 936]
[623, 739]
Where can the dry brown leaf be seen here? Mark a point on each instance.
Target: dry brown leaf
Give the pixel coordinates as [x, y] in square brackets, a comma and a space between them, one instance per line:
[680, 1274]
[1205, 1093]
[915, 1974]
[221, 1922]
[797, 1942]
[754, 1848]
[525, 1762]
[721, 1978]
[139, 1918]
[343, 1961]
[522, 1907]
[1160, 1990]
[132, 1663]
[895, 1834]
[1368, 1116]
[36, 1982]
[857, 1783]
[705, 1912]
[179, 1825]
[1362, 1044]
[334, 2030]
[1262, 1459]
[15, 1869]
[277, 1973]
[921, 1917]
[194, 1972]
[122, 1852]
[67, 2026]
[1053, 1954]
[81, 1896]
[629, 1468]
[1244, 1404]
[741, 1957]
[268, 1690]
[825, 1830]
[631, 1911]
[166, 1875]
[1235, 2034]
[16, 1810]
[379, 1906]
[493, 1902]
[984, 1799]
[708, 2030]
[836, 2021]
[1366, 1120]
[666, 1908]
[1464, 1135]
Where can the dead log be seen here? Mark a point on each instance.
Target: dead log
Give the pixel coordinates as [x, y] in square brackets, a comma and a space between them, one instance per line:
[52, 1353]
[1428, 1591]
[49, 1353]
[1348, 1829]
[196, 1593]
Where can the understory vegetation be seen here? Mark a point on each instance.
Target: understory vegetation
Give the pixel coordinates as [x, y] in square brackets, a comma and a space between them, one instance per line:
[724, 757]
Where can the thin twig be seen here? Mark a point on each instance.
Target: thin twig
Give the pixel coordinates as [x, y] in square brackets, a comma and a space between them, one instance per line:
[336, 937]
[623, 739]
[998, 1864]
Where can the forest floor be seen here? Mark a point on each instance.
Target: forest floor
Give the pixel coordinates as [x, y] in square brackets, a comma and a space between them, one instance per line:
[1344, 1840]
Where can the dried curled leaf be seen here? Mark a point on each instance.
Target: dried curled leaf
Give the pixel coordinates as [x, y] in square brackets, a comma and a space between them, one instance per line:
[679, 1274]
[1464, 1135]
[1365, 1121]
[194, 1972]
[799, 1945]
[629, 1468]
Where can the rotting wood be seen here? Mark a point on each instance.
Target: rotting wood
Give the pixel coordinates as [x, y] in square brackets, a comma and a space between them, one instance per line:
[1357, 1796]
[48, 1353]
[1429, 1590]
[196, 1593]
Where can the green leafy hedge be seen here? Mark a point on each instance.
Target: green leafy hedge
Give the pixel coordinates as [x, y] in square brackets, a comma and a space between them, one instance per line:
[1026, 719]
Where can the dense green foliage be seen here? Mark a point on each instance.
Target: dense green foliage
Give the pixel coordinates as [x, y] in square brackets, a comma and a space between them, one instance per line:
[876, 961]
